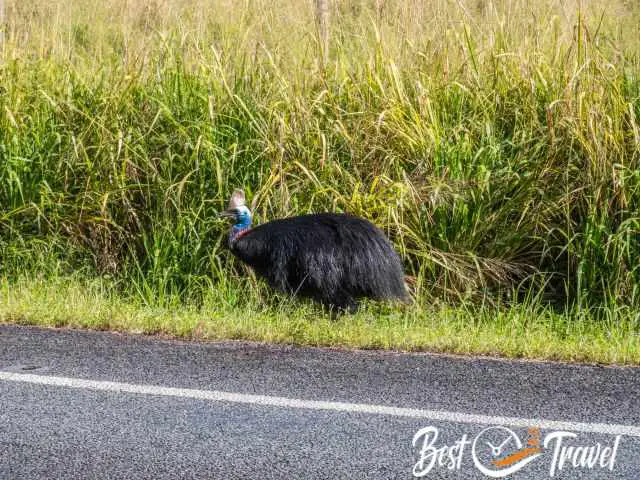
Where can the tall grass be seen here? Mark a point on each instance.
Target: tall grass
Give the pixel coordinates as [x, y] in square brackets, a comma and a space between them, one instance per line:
[496, 142]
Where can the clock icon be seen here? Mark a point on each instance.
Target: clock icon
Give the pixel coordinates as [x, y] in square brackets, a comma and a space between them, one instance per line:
[498, 452]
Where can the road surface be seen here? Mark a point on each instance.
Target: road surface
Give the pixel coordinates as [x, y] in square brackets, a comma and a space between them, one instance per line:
[76, 404]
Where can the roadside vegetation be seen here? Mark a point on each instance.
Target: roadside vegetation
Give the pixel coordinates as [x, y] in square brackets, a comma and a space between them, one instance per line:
[497, 143]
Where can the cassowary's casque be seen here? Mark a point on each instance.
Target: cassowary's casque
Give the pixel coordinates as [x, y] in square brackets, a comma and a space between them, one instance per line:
[335, 259]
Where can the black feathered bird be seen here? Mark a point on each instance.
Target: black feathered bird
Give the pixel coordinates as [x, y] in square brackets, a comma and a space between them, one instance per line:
[334, 259]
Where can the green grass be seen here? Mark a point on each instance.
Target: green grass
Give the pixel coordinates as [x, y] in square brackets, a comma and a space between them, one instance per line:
[515, 331]
[496, 142]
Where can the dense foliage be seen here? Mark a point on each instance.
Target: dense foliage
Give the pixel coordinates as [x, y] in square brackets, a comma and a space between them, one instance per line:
[498, 146]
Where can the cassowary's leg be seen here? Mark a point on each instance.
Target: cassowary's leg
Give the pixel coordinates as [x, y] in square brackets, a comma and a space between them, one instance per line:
[352, 306]
[339, 303]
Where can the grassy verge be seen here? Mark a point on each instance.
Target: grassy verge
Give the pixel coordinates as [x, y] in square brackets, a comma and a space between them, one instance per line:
[497, 143]
[518, 331]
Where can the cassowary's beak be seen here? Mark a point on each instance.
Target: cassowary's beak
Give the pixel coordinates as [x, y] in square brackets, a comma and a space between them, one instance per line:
[226, 214]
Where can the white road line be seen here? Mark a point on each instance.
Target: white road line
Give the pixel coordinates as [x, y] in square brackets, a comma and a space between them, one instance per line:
[284, 402]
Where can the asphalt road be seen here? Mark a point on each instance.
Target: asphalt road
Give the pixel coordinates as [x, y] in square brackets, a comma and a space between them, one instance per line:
[99, 405]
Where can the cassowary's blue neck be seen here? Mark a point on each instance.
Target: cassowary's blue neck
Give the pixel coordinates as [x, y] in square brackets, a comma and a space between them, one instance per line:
[242, 226]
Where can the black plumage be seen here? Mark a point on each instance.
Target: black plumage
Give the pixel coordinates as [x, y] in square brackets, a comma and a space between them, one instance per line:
[334, 259]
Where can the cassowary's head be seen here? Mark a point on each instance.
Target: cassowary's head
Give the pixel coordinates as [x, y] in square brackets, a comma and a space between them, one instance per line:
[238, 211]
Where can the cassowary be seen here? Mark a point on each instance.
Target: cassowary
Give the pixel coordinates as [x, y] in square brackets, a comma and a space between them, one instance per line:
[334, 259]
